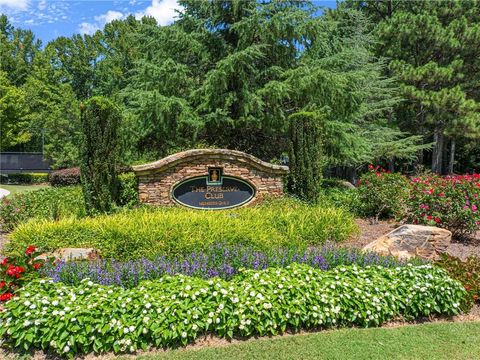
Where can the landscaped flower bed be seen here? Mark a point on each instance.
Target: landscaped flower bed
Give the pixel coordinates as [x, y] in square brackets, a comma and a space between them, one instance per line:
[174, 310]
[220, 260]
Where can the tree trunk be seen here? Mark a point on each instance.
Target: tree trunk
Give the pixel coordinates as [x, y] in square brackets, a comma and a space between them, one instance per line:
[452, 157]
[437, 154]
[391, 165]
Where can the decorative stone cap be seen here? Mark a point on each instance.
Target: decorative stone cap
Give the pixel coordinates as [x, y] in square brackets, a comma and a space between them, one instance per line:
[220, 154]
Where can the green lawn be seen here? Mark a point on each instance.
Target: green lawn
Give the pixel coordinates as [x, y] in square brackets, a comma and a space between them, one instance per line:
[428, 341]
[14, 189]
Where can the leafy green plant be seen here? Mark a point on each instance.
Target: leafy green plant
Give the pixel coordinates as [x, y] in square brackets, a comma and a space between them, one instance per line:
[174, 310]
[382, 194]
[149, 232]
[128, 189]
[348, 199]
[48, 204]
[467, 272]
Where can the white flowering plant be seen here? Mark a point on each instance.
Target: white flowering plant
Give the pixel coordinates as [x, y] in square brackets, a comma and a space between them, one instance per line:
[175, 310]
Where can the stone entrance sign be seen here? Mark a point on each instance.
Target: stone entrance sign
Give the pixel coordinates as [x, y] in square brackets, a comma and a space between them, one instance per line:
[209, 179]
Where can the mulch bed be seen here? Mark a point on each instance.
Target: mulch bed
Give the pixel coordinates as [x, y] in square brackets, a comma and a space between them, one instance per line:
[370, 231]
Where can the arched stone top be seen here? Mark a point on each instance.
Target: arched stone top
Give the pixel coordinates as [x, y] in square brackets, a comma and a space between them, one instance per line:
[217, 154]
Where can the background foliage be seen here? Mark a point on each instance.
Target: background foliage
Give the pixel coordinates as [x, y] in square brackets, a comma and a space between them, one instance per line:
[230, 73]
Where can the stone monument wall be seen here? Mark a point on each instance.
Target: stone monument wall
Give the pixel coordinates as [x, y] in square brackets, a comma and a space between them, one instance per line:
[157, 180]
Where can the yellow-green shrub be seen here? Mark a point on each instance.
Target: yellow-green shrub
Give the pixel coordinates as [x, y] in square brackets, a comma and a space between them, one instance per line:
[149, 232]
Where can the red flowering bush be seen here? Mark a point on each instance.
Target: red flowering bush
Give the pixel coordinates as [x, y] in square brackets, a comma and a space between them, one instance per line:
[15, 272]
[450, 202]
[381, 193]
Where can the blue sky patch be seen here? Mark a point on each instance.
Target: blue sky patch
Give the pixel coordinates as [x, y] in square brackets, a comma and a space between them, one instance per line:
[49, 19]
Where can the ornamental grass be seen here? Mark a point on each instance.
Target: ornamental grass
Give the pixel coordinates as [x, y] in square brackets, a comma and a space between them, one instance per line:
[147, 233]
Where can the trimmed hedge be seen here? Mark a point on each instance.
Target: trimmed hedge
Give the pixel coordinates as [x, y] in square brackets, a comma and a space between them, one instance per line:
[24, 178]
[175, 310]
[150, 232]
[65, 177]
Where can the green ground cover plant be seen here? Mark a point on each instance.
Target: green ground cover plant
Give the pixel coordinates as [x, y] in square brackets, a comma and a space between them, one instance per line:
[164, 231]
[340, 197]
[174, 310]
[48, 203]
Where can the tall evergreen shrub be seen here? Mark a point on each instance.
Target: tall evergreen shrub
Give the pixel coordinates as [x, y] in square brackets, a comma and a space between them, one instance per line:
[100, 120]
[305, 156]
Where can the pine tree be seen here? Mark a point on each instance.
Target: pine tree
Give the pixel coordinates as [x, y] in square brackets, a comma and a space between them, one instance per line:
[100, 120]
[433, 49]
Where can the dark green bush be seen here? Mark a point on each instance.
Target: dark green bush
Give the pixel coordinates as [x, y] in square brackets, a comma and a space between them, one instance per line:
[128, 189]
[305, 156]
[65, 177]
[100, 120]
[48, 204]
[24, 178]
[150, 232]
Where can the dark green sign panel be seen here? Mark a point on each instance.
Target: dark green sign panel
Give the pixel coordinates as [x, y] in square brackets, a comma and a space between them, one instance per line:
[201, 193]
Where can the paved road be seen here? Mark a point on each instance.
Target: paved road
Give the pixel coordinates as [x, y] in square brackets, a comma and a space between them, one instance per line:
[4, 193]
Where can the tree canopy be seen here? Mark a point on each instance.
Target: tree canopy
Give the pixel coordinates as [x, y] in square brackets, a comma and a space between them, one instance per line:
[393, 82]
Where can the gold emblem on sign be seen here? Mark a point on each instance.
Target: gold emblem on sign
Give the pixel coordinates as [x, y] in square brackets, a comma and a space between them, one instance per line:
[214, 176]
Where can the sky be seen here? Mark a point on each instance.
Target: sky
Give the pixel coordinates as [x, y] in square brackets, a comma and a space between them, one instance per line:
[49, 19]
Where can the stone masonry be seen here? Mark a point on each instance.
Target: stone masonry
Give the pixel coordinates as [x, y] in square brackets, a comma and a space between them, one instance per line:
[156, 180]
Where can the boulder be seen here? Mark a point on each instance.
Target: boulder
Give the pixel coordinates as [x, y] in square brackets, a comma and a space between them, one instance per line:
[347, 184]
[72, 254]
[408, 241]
